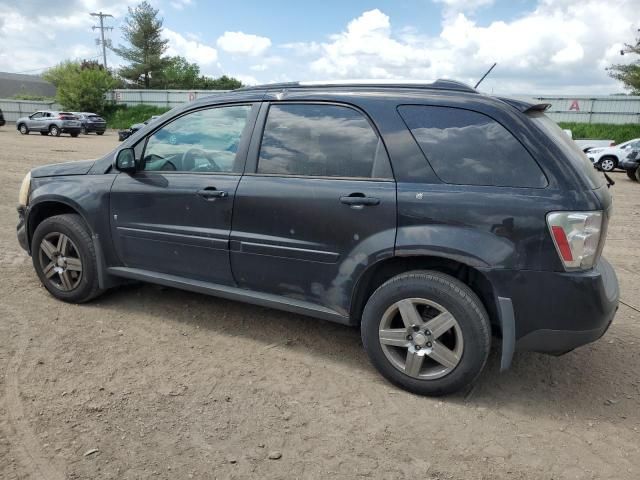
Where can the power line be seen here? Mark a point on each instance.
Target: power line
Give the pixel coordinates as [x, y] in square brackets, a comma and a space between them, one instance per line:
[101, 40]
[46, 68]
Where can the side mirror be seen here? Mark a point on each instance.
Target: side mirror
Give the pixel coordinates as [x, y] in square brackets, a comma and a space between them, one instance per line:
[126, 160]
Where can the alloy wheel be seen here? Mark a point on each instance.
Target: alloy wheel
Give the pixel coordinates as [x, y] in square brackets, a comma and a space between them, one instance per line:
[607, 164]
[421, 338]
[60, 261]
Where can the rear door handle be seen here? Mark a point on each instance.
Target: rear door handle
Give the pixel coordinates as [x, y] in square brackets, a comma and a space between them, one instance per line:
[359, 200]
[211, 193]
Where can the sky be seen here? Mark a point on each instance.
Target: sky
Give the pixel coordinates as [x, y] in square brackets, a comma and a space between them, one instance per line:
[540, 46]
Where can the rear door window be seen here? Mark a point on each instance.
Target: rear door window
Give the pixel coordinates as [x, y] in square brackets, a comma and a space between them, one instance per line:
[469, 148]
[321, 140]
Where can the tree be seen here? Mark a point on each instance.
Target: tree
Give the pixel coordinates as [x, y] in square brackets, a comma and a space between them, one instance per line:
[80, 86]
[628, 74]
[221, 83]
[179, 73]
[143, 31]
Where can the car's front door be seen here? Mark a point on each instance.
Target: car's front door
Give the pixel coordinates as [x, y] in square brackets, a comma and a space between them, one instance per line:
[316, 205]
[173, 216]
[36, 121]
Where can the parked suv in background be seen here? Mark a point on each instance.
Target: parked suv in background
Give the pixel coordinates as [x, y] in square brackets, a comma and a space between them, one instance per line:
[608, 159]
[90, 122]
[430, 216]
[47, 122]
[631, 164]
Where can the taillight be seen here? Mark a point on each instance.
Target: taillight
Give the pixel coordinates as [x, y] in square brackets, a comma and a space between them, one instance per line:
[576, 236]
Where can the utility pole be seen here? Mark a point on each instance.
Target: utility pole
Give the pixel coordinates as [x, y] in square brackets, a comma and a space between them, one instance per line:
[101, 40]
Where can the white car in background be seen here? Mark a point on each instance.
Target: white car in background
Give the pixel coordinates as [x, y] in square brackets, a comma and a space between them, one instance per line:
[608, 158]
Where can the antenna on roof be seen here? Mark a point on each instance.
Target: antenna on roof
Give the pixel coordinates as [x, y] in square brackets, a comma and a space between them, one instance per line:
[483, 76]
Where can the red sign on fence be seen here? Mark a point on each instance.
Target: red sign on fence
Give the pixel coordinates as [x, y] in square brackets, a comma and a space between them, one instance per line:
[575, 106]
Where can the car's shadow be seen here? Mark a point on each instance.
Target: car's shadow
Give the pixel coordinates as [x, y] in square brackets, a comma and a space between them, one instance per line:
[579, 382]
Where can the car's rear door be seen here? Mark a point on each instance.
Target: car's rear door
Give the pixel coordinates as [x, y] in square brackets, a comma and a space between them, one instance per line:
[174, 215]
[316, 206]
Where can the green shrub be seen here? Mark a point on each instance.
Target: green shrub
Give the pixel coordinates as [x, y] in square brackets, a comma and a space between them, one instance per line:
[121, 116]
[603, 131]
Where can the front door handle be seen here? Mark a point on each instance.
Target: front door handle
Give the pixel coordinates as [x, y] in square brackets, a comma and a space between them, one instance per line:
[211, 193]
[359, 200]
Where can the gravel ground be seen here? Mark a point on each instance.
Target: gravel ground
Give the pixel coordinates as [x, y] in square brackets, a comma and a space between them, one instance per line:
[148, 382]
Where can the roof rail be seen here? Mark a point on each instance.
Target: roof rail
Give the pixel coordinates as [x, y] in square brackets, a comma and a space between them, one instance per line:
[440, 84]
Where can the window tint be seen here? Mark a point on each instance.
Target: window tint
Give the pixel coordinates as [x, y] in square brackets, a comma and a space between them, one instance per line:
[202, 141]
[321, 140]
[469, 148]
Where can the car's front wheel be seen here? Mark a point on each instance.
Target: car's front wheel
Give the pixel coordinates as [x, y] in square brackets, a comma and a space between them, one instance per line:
[22, 128]
[426, 332]
[64, 258]
[99, 133]
[54, 131]
[83, 130]
[607, 164]
[632, 175]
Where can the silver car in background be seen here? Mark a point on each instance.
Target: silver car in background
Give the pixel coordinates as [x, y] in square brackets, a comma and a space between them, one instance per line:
[50, 123]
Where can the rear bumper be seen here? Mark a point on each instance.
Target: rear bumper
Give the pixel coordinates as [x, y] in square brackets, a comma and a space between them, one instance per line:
[95, 128]
[555, 312]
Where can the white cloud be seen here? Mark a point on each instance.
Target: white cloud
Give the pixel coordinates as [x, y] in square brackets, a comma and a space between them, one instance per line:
[452, 6]
[193, 50]
[246, 79]
[181, 4]
[560, 46]
[243, 43]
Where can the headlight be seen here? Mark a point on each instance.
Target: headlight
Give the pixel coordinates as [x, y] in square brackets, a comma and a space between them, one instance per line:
[23, 196]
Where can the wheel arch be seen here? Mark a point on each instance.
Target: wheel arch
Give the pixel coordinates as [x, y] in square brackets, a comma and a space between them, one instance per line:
[383, 270]
[47, 208]
[611, 156]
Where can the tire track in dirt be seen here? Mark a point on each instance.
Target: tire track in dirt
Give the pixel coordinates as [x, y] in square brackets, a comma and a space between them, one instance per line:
[28, 447]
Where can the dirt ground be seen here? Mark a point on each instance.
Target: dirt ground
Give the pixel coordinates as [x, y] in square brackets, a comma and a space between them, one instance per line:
[160, 383]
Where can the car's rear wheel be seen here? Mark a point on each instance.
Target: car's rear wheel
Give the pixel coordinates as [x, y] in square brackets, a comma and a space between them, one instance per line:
[74, 135]
[426, 332]
[632, 175]
[54, 131]
[64, 258]
[99, 133]
[22, 128]
[638, 174]
[607, 164]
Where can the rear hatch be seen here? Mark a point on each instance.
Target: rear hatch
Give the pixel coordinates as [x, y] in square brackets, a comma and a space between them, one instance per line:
[96, 119]
[69, 119]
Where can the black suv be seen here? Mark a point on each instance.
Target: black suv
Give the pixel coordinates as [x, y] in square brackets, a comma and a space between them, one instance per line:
[431, 216]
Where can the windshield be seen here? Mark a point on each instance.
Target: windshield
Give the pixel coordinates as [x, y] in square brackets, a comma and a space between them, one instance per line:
[570, 148]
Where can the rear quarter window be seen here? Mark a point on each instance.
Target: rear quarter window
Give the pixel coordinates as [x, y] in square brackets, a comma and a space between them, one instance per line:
[470, 148]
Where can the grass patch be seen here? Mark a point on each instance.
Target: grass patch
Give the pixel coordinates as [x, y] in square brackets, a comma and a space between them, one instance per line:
[603, 131]
[121, 116]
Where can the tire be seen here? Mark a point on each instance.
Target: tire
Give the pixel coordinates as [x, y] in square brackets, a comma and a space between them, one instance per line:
[74, 135]
[54, 131]
[608, 164]
[83, 131]
[467, 338]
[44, 134]
[24, 130]
[59, 273]
[638, 174]
[632, 175]
[99, 133]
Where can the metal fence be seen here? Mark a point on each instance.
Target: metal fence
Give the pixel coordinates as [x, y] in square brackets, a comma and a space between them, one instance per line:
[581, 109]
[159, 98]
[14, 109]
[587, 109]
